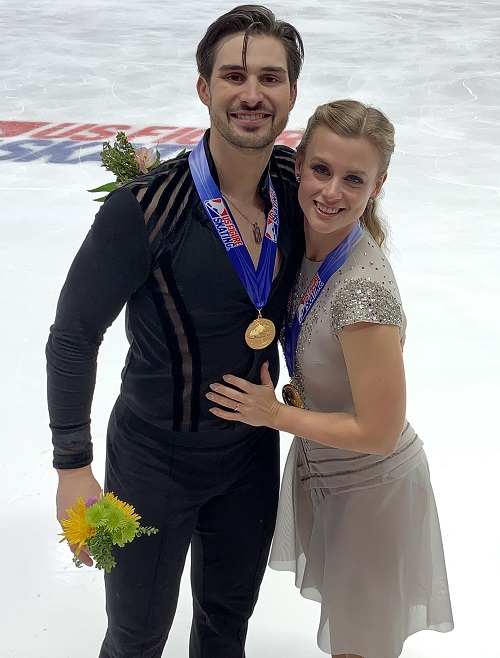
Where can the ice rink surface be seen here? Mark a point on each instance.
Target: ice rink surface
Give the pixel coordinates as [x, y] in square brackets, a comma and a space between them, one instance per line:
[433, 67]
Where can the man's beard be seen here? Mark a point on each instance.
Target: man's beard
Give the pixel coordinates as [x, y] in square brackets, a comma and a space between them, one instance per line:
[248, 140]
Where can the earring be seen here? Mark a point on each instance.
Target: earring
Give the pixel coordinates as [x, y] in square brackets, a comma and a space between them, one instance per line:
[297, 178]
[370, 201]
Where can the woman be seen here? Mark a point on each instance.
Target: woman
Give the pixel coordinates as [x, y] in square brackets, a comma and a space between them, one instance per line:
[357, 520]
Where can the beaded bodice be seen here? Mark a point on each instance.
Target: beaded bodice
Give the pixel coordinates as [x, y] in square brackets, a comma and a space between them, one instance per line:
[362, 290]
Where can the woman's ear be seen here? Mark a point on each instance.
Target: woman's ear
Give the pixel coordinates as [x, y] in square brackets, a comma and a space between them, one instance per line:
[299, 162]
[378, 185]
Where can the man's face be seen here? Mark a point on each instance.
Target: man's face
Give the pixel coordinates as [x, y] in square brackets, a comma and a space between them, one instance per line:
[249, 107]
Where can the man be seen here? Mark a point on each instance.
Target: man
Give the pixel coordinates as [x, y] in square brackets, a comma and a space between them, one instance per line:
[201, 302]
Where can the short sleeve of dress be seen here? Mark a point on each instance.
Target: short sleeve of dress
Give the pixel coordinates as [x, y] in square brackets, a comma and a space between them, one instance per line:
[364, 300]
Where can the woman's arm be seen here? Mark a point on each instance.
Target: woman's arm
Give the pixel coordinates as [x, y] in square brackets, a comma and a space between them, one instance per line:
[374, 363]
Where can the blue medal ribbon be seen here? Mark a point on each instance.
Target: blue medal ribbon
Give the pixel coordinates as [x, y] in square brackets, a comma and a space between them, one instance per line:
[330, 265]
[257, 282]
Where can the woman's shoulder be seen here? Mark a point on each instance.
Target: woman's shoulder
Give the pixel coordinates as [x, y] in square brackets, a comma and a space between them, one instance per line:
[365, 289]
[368, 262]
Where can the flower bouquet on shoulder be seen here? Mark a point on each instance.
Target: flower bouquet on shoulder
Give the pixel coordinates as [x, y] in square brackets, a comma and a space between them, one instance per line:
[101, 523]
[125, 162]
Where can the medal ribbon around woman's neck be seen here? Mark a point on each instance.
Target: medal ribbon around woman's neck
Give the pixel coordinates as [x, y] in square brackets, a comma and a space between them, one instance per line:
[257, 282]
[294, 321]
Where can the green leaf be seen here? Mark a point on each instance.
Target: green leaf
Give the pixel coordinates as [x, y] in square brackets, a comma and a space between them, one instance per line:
[101, 199]
[108, 187]
[145, 530]
[101, 546]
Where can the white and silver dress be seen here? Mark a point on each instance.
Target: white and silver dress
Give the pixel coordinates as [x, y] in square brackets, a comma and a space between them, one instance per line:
[361, 532]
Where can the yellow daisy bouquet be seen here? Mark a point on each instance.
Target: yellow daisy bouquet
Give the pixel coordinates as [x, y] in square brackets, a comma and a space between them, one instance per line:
[101, 523]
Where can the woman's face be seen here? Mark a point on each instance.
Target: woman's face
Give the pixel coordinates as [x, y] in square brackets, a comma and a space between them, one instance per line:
[338, 177]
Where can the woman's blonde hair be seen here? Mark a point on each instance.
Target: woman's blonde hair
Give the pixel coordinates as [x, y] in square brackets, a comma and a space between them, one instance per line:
[352, 119]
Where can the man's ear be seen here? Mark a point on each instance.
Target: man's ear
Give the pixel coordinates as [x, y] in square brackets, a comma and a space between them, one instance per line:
[293, 96]
[203, 91]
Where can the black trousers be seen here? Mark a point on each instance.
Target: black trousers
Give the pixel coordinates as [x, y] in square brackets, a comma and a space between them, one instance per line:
[221, 500]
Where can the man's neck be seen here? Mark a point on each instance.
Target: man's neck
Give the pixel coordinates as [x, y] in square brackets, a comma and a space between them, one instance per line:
[239, 171]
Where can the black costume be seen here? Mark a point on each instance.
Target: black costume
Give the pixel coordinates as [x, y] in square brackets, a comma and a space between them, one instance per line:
[198, 478]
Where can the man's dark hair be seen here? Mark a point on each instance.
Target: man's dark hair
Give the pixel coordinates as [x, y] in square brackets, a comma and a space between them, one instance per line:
[250, 19]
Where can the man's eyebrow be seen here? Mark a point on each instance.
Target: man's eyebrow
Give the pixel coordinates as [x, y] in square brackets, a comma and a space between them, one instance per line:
[239, 67]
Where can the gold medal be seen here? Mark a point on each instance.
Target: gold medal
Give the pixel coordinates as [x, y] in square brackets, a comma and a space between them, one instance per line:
[291, 396]
[260, 333]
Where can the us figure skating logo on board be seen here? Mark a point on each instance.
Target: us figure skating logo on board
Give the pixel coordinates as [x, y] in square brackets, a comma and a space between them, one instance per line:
[73, 143]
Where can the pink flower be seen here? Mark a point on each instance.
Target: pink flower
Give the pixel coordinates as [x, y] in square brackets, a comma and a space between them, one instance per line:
[145, 158]
[91, 501]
